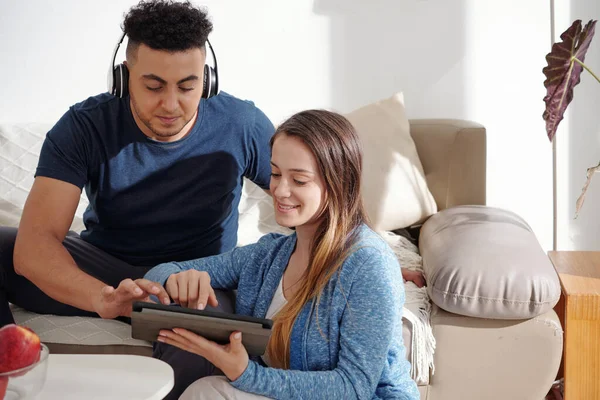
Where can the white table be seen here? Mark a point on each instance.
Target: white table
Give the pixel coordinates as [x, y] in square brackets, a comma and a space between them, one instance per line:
[99, 376]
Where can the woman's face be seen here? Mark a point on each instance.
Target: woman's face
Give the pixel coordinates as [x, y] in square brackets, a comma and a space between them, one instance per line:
[297, 186]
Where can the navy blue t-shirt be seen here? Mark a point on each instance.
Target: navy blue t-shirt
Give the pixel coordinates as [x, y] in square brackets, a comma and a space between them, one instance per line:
[150, 201]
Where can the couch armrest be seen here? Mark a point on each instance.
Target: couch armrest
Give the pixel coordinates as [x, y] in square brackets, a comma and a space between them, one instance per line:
[453, 154]
[486, 262]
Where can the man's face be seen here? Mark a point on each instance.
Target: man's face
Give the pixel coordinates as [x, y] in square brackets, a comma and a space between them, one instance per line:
[165, 90]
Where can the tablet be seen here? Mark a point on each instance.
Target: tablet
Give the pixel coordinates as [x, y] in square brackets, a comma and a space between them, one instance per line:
[147, 319]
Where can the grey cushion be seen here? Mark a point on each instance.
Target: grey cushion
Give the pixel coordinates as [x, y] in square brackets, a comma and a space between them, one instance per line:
[82, 334]
[486, 262]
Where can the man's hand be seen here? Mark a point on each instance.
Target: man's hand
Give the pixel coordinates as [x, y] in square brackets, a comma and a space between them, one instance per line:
[117, 302]
[231, 358]
[191, 289]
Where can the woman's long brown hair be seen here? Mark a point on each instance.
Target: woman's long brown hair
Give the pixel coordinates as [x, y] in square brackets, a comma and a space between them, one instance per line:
[335, 144]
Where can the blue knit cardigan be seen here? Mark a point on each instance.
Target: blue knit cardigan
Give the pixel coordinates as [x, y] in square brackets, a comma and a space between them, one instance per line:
[349, 347]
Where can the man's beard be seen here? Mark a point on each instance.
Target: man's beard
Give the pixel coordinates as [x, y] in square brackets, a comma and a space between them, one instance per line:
[149, 125]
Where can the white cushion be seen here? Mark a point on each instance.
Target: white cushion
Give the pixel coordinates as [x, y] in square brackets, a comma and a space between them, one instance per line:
[394, 187]
[257, 215]
[20, 146]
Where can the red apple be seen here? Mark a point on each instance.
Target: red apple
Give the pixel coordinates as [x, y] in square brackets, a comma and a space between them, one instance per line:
[3, 386]
[19, 348]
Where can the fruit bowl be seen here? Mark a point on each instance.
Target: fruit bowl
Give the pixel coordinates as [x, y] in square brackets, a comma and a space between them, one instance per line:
[25, 383]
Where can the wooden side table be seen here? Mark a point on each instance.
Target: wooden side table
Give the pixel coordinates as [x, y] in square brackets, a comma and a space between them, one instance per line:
[579, 273]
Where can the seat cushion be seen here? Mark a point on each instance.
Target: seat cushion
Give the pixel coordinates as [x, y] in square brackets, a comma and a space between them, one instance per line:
[82, 334]
[486, 262]
[87, 335]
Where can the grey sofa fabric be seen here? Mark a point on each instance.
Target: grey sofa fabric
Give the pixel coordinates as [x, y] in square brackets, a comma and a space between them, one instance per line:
[82, 334]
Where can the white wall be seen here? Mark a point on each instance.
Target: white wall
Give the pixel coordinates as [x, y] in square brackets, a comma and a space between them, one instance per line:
[473, 59]
[578, 140]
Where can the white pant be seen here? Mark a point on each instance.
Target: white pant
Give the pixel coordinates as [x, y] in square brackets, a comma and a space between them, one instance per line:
[216, 387]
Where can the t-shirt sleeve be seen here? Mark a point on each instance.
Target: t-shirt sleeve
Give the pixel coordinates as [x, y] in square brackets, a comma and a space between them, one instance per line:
[64, 155]
[258, 168]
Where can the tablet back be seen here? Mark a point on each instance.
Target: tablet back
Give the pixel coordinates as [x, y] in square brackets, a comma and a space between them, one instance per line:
[146, 324]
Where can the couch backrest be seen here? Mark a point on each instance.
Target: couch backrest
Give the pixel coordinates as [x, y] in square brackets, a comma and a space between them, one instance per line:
[20, 146]
[453, 154]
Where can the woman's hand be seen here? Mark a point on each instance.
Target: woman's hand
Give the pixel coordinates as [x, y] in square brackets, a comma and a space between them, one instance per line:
[231, 358]
[414, 276]
[191, 289]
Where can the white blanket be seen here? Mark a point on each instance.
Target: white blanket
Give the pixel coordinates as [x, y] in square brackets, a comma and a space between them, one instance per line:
[417, 309]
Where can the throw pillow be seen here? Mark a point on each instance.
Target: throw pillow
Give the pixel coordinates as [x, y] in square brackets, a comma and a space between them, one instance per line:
[394, 188]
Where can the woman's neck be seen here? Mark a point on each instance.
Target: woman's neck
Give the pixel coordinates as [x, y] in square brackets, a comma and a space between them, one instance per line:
[298, 263]
[304, 238]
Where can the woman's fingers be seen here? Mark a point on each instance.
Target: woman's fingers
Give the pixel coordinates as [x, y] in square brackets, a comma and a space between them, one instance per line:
[172, 288]
[182, 285]
[193, 293]
[212, 298]
[191, 342]
[191, 289]
[205, 291]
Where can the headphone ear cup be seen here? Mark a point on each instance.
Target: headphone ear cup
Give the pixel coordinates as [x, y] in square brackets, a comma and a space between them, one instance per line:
[210, 84]
[205, 84]
[120, 81]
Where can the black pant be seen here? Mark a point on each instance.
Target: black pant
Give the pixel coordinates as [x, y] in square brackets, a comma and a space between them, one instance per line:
[108, 269]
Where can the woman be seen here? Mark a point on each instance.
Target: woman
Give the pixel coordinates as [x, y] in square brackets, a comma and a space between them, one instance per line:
[333, 288]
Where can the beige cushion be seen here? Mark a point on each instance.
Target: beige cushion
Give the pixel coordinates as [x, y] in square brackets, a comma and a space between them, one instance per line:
[394, 188]
[486, 262]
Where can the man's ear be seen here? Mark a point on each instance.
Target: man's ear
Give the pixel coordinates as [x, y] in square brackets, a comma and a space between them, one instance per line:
[125, 63]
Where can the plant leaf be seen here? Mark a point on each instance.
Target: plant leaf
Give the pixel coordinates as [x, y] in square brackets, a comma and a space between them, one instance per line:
[563, 72]
[588, 178]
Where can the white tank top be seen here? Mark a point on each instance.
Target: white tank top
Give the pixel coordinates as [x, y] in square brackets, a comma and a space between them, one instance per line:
[276, 305]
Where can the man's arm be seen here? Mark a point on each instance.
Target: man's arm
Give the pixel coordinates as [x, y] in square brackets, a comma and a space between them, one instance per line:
[39, 254]
[41, 257]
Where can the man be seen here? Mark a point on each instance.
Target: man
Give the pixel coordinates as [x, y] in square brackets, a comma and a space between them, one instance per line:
[161, 166]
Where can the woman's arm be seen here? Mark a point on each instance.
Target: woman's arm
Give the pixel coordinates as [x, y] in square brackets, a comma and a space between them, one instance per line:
[369, 326]
[224, 269]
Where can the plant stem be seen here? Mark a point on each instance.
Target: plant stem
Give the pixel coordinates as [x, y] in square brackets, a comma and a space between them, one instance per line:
[586, 68]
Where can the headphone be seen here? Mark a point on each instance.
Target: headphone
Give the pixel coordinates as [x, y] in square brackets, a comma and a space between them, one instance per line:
[118, 76]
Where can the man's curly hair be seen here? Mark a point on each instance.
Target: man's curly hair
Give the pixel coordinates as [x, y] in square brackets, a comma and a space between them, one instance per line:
[166, 25]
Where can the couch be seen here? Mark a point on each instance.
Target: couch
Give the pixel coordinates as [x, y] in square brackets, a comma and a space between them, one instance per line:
[486, 348]
[482, 353]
